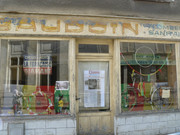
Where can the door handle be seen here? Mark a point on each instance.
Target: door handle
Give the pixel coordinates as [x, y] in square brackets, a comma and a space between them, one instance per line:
[78, 98]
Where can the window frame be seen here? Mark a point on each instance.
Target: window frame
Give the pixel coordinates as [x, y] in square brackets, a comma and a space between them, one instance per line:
[71, 63]
[94, 42]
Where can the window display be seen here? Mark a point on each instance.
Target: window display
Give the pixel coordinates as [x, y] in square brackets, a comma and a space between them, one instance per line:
[29, 72]
[148, 77]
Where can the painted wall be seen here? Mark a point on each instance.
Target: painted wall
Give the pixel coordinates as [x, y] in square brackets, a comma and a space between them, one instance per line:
[53, 126]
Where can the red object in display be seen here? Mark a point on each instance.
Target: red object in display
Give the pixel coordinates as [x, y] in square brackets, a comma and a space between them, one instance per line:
[139, 99]
[43, 95]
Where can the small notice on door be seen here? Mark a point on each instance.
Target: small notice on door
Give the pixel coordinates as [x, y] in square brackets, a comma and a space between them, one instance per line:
[94, 81]
[165, 93]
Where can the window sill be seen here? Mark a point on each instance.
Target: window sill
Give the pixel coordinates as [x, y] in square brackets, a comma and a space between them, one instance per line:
[147, 113]
[34, 117]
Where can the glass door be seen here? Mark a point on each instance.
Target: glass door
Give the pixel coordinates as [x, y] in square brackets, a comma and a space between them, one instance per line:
[94, 93]
[94, 98]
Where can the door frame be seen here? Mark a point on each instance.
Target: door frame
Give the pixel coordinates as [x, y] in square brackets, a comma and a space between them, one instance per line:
[93, 57]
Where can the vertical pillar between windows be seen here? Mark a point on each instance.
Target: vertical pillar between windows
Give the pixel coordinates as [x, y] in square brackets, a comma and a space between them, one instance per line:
[72, 75]
[177, 48]
[1, 90]
[8, 73]
[116, 77]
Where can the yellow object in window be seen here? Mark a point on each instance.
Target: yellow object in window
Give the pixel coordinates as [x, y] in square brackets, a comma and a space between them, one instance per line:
[60, 103]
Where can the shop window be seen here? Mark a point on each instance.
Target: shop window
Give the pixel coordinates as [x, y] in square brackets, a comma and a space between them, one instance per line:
[148, 77]
[30, 72]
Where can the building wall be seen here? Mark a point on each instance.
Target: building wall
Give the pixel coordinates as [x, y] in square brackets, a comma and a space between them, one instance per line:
[139, 124]
[147, 124]
[60, 126]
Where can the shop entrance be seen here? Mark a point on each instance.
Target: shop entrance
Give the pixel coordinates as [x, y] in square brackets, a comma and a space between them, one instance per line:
[94, 90]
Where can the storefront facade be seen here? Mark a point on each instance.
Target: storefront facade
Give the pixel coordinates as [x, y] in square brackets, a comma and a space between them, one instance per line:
[88, 75]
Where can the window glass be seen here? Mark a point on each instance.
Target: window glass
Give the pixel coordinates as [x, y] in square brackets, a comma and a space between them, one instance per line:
[30, 71]
[148, 77]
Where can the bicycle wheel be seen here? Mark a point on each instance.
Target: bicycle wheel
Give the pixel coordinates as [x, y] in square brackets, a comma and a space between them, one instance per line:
[159, 103]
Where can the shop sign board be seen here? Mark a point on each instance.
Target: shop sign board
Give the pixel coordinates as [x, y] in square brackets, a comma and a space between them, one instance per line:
[89, 26]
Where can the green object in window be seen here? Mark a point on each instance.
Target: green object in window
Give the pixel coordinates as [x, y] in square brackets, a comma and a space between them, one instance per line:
[65, 95]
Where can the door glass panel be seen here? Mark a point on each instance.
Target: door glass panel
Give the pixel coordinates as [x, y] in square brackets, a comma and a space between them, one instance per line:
[93, 86]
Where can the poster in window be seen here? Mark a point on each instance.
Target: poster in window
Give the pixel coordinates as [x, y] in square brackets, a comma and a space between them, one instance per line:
[94, 81]
[37, 64]
[62, 85]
